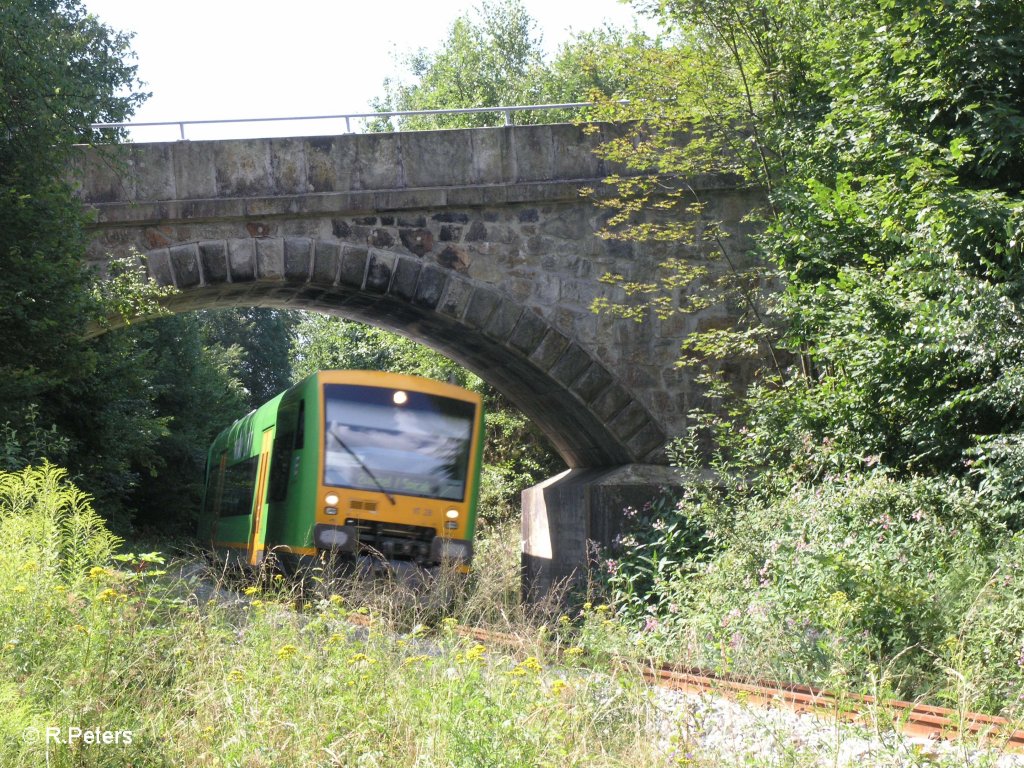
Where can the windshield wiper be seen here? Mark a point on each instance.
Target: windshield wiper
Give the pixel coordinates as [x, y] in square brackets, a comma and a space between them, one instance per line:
[365, 468]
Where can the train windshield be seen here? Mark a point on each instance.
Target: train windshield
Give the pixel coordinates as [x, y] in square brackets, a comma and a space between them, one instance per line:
[396, 441]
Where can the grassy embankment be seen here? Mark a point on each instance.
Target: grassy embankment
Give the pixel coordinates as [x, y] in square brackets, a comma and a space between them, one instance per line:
[262, 676]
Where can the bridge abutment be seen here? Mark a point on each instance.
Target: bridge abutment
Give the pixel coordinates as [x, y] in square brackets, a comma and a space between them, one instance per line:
[570, 521]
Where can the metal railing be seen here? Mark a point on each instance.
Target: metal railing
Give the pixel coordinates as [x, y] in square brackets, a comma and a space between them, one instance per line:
[348, 118]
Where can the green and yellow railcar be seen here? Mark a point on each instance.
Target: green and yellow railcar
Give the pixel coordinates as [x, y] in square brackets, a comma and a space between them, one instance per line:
[349, 463]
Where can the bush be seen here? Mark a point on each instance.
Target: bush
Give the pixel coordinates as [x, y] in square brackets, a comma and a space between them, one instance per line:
[844, 583]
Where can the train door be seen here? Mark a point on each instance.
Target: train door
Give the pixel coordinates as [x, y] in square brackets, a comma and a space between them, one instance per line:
[258, 533]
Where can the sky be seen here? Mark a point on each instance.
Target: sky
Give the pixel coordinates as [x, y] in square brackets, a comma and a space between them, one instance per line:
[229, 59]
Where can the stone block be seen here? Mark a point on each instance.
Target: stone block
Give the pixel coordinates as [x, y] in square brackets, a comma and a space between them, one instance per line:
[326, 261]
[528, 332]
[298, 255]
[456, 298]
[492, 156]
[354, 261]
[243, 168]
[378, 163]
[288, 166]
[158, 264]
[213, 259]
[503, 319]
[431, 286]
[437, 158]
[592, 382]
[269, 257]
[481, 306]
[152, 168]
[195, 170]
[610, 402]
[242, 260]
[550, 349]
[403, 281]
[571, 365]
[378, 271]
[185, 265]
[629, 420]
[417, 241]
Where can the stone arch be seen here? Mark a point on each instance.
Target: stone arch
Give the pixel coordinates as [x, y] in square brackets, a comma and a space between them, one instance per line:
[590, 418]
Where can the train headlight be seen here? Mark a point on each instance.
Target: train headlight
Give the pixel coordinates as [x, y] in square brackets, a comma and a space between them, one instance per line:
[452, 514]
[331, 499]
[330, 510]
[400, 397]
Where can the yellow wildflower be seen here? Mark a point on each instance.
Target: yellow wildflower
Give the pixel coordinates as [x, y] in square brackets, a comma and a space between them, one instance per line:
[97, 572]
[251, 590]
[361, 658]
[106, 594]
[529, 664]
[563, 619]
[335, 600]
[602, 609]
[257, 603]
[573, 653]
[410, 660]
[236, 675]
[558, 686]
[19, 588]
[476, 653]
[286, 651]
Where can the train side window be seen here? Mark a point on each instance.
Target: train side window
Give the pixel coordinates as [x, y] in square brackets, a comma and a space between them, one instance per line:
[239, 485]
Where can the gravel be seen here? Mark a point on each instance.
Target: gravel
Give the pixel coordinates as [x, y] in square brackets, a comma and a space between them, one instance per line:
[702, 729]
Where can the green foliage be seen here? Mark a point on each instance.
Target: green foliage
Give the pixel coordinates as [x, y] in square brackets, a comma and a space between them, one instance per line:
[263, 339]
[194, 391]
[196, 674]
[127, 293]
[849, 584]
[494, 57]
[61, 71]
[866, 484]
[659, 546]
[48, 526]
[892, 218]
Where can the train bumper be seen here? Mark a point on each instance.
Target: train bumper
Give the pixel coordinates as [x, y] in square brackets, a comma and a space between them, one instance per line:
[337, 538]
[451, 550]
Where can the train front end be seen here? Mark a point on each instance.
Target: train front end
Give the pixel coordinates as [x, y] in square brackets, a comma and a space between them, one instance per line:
[399, 467]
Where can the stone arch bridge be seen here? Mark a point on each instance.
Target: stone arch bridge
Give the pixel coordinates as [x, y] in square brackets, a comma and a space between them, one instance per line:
[475, 242]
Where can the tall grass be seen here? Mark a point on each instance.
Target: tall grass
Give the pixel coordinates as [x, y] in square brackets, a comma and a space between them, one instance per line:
[270, 677]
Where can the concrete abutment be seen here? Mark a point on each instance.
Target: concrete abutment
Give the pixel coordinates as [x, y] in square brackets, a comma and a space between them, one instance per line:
[570, 521]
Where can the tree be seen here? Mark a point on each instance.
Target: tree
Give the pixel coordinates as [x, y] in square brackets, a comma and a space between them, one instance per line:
[263, 339]
[61, 71]
[888, 139]
[495, 58]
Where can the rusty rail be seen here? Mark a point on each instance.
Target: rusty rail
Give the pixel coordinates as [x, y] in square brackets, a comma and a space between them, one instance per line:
[913, 719]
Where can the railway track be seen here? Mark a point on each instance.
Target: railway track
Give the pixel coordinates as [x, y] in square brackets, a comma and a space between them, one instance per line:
[912, 719]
